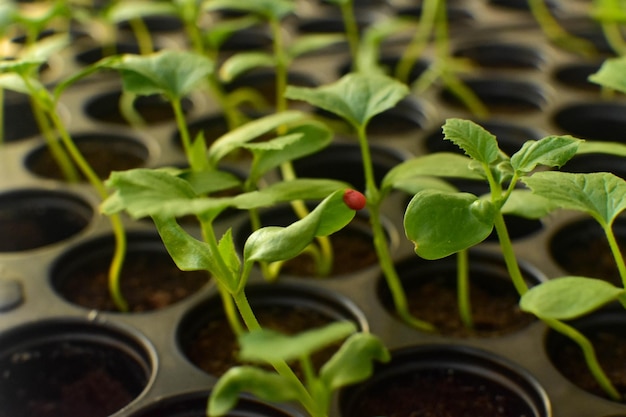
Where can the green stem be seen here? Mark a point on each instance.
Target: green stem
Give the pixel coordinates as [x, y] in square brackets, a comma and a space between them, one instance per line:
[380, 239]
[589, 355]
[142, 34]
[509, 255]
[181, 123]
[351, 29]
[463, 290]
[613, 34]
[419, 41]
[116, 222]
[617, 253]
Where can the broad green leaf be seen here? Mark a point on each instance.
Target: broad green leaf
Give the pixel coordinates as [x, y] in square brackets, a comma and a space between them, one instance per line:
[300, 141]
[567, 298]
[197, 154]
[274, 243]
[221, 31]
[552, 151]
[311, 43]
[414, 185]
[284, 191]
[265, 385]
[611, 74]
[353, 362]
[249, 132]
[104, 63]
[608, 11]
[243, 62]
[269, 346]
[440, 224]
[269, 9]
[440, 164]
[524, 203]
[13, 82]
[128, 10]
[229, 254]
[355, 97]
[170, 72]
[600, 194]
[207, 182]
[477, 142]
[45, 48]
[597, 146]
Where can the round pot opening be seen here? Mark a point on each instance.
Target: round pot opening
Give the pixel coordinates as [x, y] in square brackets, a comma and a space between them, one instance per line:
[353, 246]
[71, 368]
[431, 290]
[104, 153]
[577, 76]
[150, 279]
[594, 121]
[95, 54]
[502, 55]
[194, 404]
[445, 380]
[503, 95]
[30, 219]
[581, 248]
[17, 108]
[589, 163]
[152, 109]
[605, 329]
[207, 341]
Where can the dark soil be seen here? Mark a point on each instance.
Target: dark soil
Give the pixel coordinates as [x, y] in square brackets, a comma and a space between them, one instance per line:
[214, 347]
[592, 258]
[149, 281]
[439, 392]
[495, 312]
[610, 349]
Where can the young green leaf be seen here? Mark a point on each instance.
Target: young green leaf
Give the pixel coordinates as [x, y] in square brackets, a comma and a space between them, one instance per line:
[267, 346]
[611, 74]
[567, 298]
[123, 11]
[440, 224]
[266, 385]
[353, 362]
[271, 244]
[598, 146]
[477, 142]
[243, 62]
[311, 43]
[220, 31]
[355, 97]
[552, 151]
[269, 9]
[170, 72]
[599, 194]
[524, 203]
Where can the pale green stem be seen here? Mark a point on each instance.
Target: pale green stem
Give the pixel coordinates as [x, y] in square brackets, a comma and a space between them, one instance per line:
[142, 34]
[419, 41]
[589, 355]
[509, 255]
[617, 253]
[380, 239]
[463, 289]
[119, 233]
[128, 111]
[181, 122]
[613, 34]
[351, 29]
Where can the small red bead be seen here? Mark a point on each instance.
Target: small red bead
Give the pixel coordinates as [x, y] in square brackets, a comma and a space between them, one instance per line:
[354, 199]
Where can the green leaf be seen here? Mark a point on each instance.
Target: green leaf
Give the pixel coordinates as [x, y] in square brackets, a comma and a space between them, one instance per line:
[567, 298]
[269, 346]
[440, 224]
[197, 154]
[269, 9]
[597, 146]
[209, 181]
[13, 82]
[243, 62]
[226, 248]
[414, 185]
[265, 385]
[552, 151]
[477, 142]
[170, 72]
[353, 362]
[249, 132]
[440, 164]
[355, 97]
[127, 10]
[45, 48]
[311, 43]
[300, 141]
[611, 74]
[600, 194]
[274, 243]
[524, 203]
[221, 31]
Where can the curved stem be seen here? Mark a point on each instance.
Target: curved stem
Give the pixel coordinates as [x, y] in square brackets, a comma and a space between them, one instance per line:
[589, 355]
[142, 34]
[380, 239]
[351, 29]
[181, 123]
[509, 255]
[617, 253]
[463, 290]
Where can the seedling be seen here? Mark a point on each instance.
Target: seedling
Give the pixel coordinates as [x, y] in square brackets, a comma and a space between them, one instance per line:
[352, 363]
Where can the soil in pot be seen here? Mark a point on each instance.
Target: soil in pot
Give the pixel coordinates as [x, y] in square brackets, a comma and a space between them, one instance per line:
[65, 369]
[431, 291]
[442, 381]
[103, 152]
[149, 281]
